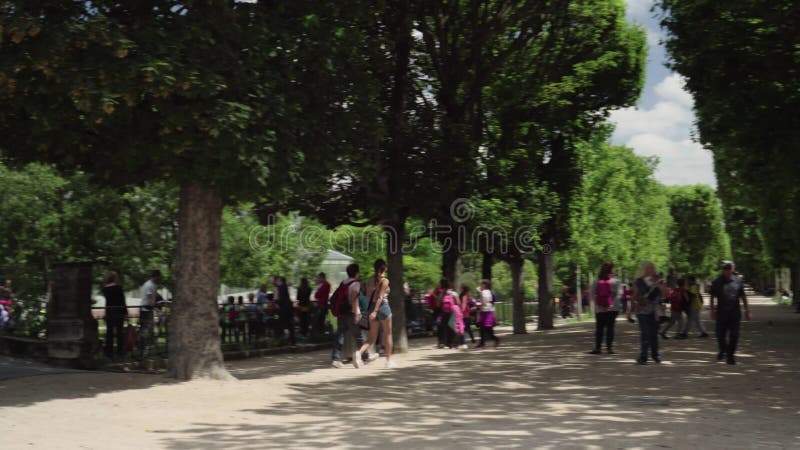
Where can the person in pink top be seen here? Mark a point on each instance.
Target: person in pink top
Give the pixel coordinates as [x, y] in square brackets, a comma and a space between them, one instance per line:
[468, 308]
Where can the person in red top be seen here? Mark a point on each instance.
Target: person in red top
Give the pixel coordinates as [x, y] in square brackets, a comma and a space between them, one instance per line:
[321, 296]
[677, 299]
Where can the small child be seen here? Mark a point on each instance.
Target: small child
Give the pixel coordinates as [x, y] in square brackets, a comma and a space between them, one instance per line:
[227, 318]
[677, 300]
[695, 308]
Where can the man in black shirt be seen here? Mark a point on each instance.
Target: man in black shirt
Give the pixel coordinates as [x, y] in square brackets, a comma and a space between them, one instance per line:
[728, 288]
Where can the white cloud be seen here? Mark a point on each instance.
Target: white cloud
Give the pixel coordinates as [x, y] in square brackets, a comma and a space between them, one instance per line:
[673, 88]
[665, 131]
[681, 162]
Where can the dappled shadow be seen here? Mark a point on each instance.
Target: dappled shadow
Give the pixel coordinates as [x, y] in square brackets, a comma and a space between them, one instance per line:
[72, 385]
[540, 390]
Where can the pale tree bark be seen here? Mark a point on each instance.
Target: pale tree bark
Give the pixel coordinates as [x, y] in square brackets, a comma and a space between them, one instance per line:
[194, 344]
[395, 235]
[516, 264]
[545, 275]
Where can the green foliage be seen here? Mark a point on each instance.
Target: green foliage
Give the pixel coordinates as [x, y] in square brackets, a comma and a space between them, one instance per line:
[620, 214]
[740, 64]
[698, 241]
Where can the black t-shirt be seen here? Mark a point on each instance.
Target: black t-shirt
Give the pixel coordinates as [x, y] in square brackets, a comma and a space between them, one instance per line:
[728, 293]
[115, 302]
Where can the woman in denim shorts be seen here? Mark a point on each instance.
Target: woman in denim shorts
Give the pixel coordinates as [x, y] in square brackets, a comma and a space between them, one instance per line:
[380, 315]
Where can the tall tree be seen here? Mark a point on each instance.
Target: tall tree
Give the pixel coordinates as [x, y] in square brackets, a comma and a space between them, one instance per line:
[620, 212]
[698, 241]
[740, 62]
[205, 94]
[541, 106]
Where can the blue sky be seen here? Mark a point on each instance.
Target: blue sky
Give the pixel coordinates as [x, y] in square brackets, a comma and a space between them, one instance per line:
[662, 122]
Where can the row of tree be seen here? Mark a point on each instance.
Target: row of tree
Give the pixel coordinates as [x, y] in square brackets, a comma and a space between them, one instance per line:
[740, 62]
[365, 113]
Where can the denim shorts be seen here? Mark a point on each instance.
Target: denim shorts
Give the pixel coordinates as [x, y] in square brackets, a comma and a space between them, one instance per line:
[384, 312]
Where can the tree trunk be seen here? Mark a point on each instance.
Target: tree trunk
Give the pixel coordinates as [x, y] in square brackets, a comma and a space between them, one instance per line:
[395, 236]
[545, 274]
[451, 259]
[486, 266]
[194, 345]
[795, 282]
[516, 265]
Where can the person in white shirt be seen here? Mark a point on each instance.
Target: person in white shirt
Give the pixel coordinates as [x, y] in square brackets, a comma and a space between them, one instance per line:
[486, 317]
[148, 293]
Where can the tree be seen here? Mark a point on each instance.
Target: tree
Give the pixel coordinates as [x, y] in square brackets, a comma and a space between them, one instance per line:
[740, 63]
[698, 241]
[620, 212]
[213, 96]
[547, 101]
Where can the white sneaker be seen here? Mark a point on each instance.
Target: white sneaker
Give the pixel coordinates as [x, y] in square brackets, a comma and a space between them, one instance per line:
[357, 363]
[391, 365]
[373, 357]
[337, 364]
[463, 347]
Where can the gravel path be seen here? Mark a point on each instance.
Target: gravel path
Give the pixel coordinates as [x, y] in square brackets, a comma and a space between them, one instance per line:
[540, 390]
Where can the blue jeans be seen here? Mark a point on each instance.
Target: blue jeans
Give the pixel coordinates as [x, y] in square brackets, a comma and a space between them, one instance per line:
[345, 325]
[649, 335]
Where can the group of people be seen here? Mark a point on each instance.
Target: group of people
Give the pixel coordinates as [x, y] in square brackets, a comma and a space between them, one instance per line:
[265, 312]
[454, 314]
[650, 290]
[6, 304]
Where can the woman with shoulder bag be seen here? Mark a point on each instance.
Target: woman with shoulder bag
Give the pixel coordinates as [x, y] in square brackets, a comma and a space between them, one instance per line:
[380, 315]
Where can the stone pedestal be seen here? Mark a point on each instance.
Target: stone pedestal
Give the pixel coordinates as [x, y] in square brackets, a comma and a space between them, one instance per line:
[72, 337]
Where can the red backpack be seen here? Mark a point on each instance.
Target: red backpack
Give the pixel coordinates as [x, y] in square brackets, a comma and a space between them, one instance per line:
[602, 293]
[340, 301]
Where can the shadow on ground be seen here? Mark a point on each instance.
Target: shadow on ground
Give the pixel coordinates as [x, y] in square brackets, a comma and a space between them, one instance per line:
[537, 390]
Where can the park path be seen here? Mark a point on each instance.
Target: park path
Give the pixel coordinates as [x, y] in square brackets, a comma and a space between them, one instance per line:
[540, 390]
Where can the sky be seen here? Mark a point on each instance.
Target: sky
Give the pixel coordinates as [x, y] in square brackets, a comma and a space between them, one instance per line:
[661, 124]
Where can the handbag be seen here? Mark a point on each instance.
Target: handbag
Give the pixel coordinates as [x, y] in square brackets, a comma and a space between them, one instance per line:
[363, 321]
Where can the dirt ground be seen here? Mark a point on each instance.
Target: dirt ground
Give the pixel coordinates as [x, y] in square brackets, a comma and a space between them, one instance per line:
[540, 390]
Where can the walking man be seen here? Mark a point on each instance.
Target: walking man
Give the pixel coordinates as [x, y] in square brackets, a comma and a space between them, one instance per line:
[728, 288]
[347, 311]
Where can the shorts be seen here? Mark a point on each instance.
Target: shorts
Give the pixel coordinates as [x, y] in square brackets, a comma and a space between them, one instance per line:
[384, 312]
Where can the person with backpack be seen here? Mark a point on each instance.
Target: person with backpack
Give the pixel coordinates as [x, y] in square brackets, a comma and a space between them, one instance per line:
[486, 317]
[695, 308]
[468, 308]
[456, 322]
[345, 306]
[447, 300]
[648, 290]
[678, 303]
[605, 292]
